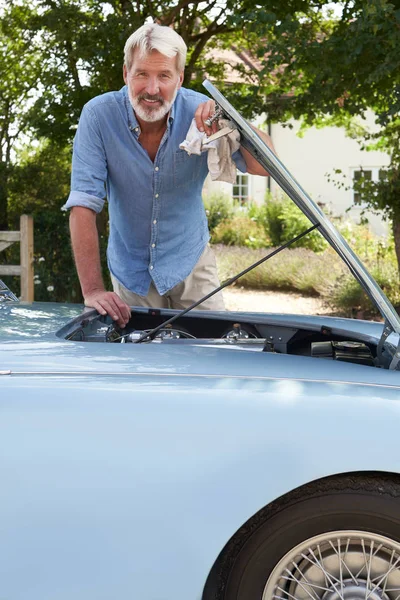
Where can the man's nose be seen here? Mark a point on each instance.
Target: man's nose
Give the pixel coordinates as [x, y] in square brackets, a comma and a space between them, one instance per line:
[152, 87]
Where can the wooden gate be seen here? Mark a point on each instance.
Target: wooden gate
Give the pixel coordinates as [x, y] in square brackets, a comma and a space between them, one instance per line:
[25, 269]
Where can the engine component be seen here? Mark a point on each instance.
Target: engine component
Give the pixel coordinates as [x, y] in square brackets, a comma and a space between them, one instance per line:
[166, 334]
[348, 351]
[237, 333]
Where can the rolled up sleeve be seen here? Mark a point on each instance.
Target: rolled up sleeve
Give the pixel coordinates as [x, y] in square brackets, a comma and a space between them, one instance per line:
[89, 165]
[239, 161]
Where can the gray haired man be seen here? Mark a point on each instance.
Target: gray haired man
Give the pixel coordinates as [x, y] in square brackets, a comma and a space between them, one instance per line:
[127, 149]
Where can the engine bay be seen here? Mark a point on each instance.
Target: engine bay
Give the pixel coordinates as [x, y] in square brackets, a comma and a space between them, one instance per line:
[216, 329]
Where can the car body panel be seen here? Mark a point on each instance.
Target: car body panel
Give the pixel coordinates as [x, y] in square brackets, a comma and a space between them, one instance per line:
[115, 453]
[126, 468]
[29, 344]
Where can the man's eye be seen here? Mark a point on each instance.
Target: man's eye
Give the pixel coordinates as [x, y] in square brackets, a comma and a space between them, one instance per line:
[165, 76]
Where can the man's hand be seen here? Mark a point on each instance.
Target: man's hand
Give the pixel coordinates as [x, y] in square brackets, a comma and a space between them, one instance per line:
[109, 303]
[204, 111]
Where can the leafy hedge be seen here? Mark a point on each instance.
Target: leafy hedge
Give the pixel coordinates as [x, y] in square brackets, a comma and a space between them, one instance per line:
[270, 224]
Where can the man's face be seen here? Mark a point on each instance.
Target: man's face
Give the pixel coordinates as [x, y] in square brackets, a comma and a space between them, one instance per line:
[153, 82]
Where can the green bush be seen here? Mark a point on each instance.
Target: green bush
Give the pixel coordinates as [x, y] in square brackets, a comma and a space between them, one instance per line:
[276, 221]
[368, 247]
[219, 207]
[283, 221]
[378, 255]
[304, 271]
[39, 187]
[295, 222]
[240, 230]
[348, 294]
[270, 215]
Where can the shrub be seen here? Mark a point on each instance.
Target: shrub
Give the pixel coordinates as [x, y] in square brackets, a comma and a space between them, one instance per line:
[271, 218]
[303, 271]
[240, 230]
[283, 221]
[379, 257]
[348, 294]
[297, 270]
[219, 207]
[295, 222]
[276, 221]
[39, 187]
[369, 247]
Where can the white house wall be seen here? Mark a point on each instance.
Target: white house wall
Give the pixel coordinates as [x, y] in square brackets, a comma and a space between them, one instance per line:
[310, 159]
[315, 155]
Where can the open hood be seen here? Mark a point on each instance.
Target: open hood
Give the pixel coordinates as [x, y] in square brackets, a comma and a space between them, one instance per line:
[257, 147]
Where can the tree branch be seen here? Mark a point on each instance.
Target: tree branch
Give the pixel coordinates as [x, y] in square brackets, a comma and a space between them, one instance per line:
[72, 65]
[202, 40]
[172, 15]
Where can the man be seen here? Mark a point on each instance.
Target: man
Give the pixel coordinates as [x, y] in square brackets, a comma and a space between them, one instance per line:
[127, 147]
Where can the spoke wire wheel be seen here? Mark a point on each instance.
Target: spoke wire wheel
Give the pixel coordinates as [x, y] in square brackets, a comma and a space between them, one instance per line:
[339, 565]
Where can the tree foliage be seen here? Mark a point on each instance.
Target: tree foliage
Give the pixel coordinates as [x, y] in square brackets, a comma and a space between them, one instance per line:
[56, 55]
[322, 67]
[19, 68]
[327, 68]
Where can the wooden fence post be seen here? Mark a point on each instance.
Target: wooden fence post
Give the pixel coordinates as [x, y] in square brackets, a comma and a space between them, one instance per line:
[26, 249]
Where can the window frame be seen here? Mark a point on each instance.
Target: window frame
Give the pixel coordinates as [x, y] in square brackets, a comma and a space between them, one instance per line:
[375, 176]
[242, 199]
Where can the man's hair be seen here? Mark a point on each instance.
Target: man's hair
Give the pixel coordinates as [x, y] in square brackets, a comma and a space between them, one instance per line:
[155, 37]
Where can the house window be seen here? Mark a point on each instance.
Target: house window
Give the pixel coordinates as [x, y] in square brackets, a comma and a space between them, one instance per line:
[369, 174]
[241, 188]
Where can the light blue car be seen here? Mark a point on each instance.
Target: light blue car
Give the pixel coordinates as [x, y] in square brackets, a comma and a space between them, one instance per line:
[198, 455]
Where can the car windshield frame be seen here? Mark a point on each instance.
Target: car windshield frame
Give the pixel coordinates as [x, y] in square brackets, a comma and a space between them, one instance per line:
[252, 142]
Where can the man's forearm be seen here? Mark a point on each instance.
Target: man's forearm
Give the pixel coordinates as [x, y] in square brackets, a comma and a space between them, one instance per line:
[85, 245]
[253, 166]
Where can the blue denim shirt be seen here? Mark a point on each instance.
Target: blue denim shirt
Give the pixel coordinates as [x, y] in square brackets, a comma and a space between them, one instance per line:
[158, 225]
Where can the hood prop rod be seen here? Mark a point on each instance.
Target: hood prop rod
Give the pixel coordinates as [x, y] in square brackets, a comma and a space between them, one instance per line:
[151, 334]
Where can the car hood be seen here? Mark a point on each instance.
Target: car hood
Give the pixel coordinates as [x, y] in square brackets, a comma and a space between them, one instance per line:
[30, 347]
[258, 148]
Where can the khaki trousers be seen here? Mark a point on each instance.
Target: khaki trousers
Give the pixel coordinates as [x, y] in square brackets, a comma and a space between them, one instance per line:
[201, 281]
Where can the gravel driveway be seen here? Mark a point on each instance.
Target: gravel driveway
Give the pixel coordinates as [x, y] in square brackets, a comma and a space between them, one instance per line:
[275, 302]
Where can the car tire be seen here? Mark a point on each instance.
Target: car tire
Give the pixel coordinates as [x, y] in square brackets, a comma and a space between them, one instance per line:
[337, 523]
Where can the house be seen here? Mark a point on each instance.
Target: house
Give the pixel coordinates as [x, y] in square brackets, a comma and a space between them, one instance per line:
[312, 159]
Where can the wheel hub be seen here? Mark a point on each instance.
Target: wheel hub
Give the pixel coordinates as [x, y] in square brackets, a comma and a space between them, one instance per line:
[338, 565]
[354, 591]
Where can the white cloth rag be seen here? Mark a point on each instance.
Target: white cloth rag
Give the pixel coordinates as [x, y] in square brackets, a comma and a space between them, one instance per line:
[219, 159]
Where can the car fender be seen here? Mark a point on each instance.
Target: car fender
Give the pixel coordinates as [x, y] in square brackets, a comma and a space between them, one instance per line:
[95, 454]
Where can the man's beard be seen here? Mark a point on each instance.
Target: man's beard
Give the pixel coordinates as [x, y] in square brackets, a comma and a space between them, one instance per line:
[147, 113]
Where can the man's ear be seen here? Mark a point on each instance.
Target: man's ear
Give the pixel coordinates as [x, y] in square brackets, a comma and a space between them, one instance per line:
[181, 75]
[125, 73]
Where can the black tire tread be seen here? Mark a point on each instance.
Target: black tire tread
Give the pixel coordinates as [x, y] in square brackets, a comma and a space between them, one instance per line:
[371, 483]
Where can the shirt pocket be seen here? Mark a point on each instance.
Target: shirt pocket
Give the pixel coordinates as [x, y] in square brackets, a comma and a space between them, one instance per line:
[186, 168]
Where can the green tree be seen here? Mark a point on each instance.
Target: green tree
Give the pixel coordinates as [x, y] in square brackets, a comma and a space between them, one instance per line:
[325, 68]
[39, 186]
[19, 68]
[81, 46]
[57, 54]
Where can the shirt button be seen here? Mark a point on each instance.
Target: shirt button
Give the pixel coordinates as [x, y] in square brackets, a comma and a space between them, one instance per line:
[156, 169]
[151, 267]
[156, 196]
[136, 128]
[153, 245]
[155, 221]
